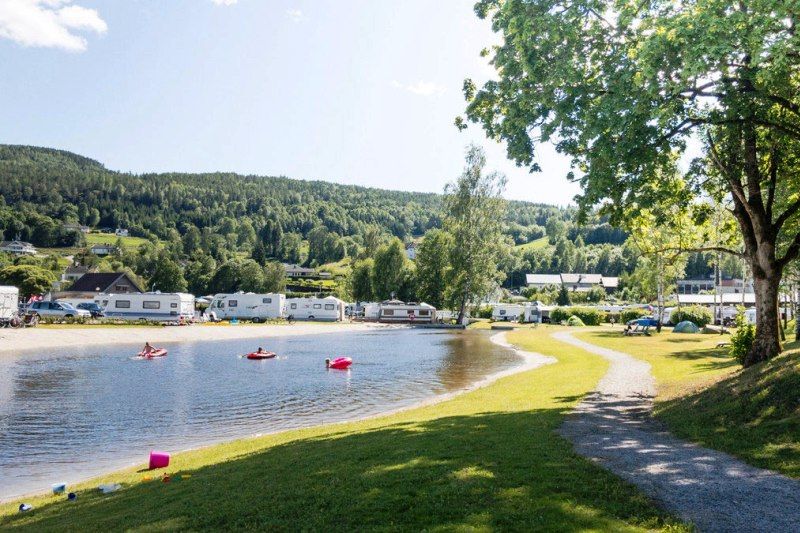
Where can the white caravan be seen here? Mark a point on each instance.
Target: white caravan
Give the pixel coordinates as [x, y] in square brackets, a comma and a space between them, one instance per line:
[9, 301]
[165, 307]
[247, 306]
[507, 312]
[411, 312]
[536, 312]
[323, 309]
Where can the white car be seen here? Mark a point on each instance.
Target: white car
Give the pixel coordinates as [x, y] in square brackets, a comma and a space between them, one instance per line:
[57, 309]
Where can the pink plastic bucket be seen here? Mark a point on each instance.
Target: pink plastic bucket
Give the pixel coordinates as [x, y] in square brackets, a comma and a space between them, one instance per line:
[159, 460]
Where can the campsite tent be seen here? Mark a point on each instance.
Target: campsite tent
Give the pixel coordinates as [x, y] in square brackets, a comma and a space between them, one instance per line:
[686, 327]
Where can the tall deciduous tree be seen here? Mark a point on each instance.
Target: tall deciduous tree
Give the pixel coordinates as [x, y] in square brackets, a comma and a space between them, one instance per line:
[473, 216]
[433, 266]
[389, 269]
[29, 279]
[622, 86]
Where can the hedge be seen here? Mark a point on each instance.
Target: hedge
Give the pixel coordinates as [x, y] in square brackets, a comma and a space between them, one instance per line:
[588, 315]
[693, 313]
[632, 314]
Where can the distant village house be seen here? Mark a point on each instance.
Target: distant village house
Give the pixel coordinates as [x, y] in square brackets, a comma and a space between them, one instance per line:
[573, 282]
[94, 283]
[17, 248]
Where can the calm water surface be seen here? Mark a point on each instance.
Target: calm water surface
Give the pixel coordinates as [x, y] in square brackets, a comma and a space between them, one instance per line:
[69, 415]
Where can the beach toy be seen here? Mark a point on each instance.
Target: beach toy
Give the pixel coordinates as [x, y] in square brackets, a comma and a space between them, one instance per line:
[158, 352]
[340, 363]
[24, 507]
[72, 496]
[262, 355]
[159, 460]
[59, 488]
[109, 488]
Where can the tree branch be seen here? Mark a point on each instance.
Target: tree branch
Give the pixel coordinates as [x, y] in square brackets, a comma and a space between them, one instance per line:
[786, 215]
[791, 252]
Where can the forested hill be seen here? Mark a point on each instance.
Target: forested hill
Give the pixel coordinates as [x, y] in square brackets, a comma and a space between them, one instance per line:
[44, 188]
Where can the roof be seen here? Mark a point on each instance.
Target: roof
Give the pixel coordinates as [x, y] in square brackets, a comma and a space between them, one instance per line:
[21, 243]
[543, 279]
[610, 282]
[100, 282]
[76, 269]
[594, 279]
[727, 298]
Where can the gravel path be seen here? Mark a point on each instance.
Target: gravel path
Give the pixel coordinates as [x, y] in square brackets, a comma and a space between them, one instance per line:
[710, 489]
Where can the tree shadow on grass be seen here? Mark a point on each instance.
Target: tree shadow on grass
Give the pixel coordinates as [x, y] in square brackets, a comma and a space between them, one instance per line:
[487, 471]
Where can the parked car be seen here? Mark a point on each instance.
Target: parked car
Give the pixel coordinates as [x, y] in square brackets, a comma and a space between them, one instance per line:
[95, 310]
[57, 309]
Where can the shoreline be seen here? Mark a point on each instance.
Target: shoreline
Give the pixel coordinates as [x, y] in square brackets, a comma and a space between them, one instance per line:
[530, 361]
[26, 339]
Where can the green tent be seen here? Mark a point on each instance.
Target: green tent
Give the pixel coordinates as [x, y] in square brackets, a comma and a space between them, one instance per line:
[686, 327]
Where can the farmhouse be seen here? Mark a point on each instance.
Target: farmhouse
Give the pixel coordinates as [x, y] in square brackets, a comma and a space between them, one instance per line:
[93, 283]
[17, 248]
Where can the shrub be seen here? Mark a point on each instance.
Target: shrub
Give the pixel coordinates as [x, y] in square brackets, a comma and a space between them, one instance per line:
[694, 313]
[631, 314]
[587, 315]
[483, 312]
[742, 338]
[559, 315]
[574, 321]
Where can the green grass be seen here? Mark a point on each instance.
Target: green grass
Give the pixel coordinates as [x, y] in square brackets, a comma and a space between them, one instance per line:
[110, 238]
[541, 242]
[705, 397]
[485, 460]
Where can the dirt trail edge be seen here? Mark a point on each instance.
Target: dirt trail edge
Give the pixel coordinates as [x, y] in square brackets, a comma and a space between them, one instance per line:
[710, 489]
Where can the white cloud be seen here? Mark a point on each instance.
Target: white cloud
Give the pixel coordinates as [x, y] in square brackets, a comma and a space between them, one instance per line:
[224, 2]
[294, 14]
[420, 88]
[48, 23]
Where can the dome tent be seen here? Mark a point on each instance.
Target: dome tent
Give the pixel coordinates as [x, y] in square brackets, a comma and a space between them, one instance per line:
[686, 327]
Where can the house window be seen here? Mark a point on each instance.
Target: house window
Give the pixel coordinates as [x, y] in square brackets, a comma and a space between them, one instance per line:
[267, 300]
[317, 306]
[122, 304]
[121, 288]
[233, 303]
[151, 304]
[330, 307]
[388, 312]
[293, 306]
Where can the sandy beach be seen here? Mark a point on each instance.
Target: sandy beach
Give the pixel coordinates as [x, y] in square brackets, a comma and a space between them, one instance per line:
[14, 340]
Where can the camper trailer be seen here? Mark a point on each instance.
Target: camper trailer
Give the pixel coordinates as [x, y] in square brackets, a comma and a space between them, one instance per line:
[411, 312]
[322, 309]
[507, 312]
[157, 306]
[247, 306]
[9, 302]
[536, 312]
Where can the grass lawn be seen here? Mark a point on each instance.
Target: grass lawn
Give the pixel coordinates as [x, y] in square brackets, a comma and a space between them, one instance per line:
[486, 460]
[705, 397]
[541, 242]
[110, 238]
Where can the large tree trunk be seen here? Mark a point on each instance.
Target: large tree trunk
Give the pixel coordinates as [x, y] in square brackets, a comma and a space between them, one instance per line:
[767, 342]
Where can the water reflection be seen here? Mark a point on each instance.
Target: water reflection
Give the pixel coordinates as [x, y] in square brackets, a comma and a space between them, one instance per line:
[77, 415]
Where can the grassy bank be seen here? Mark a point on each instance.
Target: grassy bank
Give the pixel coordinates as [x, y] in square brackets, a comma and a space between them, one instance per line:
[485, 460]
[705, 397]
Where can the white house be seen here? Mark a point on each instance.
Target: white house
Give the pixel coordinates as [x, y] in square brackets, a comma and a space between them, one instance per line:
[411, 251]
[297, 271]
[121, 232]
[103, 249]
[17, 248]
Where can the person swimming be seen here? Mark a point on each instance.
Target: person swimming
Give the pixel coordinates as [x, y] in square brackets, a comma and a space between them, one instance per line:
[327, 363]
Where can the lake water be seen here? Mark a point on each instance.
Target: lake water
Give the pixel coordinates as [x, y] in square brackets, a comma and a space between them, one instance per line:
[78, 413]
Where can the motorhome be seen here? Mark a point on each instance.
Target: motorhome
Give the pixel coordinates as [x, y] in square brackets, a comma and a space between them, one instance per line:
[9, 302]
[246, 306]
[507, 312]
[410, 312]
[165, 307]
[322, 309]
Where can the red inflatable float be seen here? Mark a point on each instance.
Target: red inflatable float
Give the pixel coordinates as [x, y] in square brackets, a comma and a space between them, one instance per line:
[156, 352]
[340, 363]
[261, 355]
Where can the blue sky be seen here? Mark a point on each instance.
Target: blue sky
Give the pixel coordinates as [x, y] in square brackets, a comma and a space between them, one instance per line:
[362, 92]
